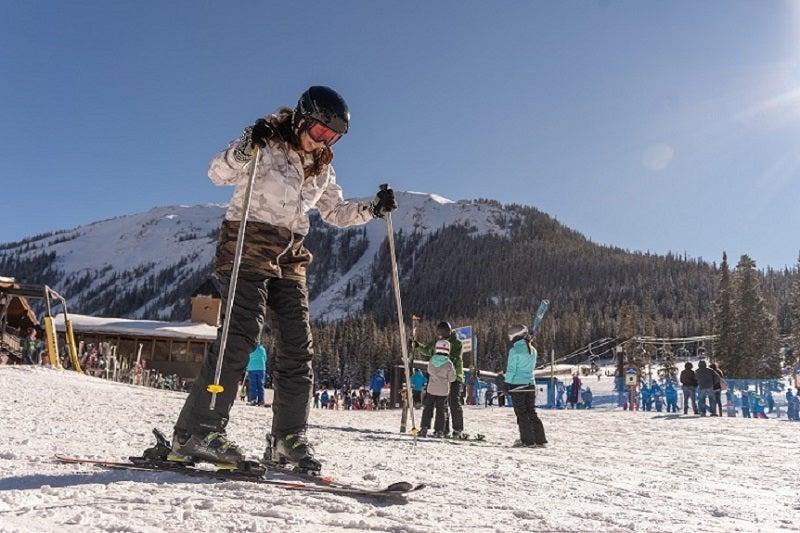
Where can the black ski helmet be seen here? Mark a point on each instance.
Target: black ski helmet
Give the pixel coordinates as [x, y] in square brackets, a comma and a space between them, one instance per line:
[517, 331]
[443, 329]
[325, 105]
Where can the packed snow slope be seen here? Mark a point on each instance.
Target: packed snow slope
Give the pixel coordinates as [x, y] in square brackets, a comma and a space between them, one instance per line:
[604, 470]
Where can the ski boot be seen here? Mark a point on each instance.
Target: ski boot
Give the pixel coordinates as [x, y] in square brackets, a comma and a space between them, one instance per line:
[519, 444]
[292, 449]
[459, 435]
[213, 448]
[439, 435]
[423, 433]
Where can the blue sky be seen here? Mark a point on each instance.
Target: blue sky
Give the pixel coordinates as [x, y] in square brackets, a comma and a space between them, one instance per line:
[650, 125]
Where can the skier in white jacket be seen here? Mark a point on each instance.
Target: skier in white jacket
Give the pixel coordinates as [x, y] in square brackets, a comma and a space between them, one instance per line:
[294, 175]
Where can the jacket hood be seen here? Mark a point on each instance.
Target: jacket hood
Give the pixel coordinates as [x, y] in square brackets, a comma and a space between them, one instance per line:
[439, 360]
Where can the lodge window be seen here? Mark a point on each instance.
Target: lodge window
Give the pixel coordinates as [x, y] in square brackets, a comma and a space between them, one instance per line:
[197, 351]
[161, 351]
[180, 350]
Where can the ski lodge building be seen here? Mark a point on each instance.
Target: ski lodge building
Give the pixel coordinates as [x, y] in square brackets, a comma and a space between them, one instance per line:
[169, 347]
[16, 316]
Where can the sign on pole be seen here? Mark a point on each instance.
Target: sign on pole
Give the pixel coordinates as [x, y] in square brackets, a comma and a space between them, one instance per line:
[464, 334]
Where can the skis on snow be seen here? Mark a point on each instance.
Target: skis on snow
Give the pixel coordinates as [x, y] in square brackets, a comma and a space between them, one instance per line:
[273, 474]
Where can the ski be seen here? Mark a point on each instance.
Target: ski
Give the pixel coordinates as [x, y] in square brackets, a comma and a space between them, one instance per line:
[478, 440]
[544, 305]
[253, 474]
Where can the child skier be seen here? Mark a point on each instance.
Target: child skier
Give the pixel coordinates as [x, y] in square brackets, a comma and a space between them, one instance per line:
[521, 384]
[671, 395]
[294, 175]
[442, 373]
[256, 369]
[455, 395]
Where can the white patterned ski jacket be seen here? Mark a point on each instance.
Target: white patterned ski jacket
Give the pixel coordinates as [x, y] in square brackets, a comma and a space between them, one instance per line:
[281, 199]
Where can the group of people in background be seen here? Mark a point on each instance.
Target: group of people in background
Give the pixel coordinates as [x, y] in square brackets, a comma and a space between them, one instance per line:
[706, 391]
[348, 399]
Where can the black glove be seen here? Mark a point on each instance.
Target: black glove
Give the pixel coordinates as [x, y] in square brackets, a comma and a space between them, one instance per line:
[261, 133]
[384, 202]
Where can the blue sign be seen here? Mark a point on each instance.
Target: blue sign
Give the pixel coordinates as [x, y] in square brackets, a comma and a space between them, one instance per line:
[464, 334]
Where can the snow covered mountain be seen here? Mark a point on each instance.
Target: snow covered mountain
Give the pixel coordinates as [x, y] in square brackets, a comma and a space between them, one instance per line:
[145, 265]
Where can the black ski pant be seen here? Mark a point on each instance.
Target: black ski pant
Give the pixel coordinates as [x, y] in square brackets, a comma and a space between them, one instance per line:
[292, 376]
[417, 397]
[718, 401]
[431, 402]
[531, 429]
[455, 410]
[689, 394]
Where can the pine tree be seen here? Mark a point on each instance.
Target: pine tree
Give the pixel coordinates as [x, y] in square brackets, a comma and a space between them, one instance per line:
[794, 305]
[669, 369]
[755, 328]
[626, 328]
[724, 346]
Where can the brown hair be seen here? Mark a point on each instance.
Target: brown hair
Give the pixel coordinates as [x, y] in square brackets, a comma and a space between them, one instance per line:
[284, 122]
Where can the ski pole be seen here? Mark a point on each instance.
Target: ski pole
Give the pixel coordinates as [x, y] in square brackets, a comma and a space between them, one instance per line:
[396, 284]
[215, 388]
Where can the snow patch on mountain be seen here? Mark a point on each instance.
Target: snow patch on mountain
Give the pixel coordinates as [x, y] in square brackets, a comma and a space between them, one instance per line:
[417, 212]
[173, 243]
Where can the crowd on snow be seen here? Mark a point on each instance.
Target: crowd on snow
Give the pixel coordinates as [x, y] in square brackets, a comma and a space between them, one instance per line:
[704, 389]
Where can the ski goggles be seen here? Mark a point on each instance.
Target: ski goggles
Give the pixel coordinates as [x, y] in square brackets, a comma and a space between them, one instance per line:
[322, 133]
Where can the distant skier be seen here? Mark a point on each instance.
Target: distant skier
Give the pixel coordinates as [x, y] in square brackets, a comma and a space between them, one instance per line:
[659, 398]
[522, 387]
[294, 175]
[647, 399]
[671, 395]
[730, 403]
[444, 331]
[719, 385]
[575, 392]
[324, 399]
[256, 369]
[376, 386]
[689, 386]
[770, 402]
[442, 373]
[500, 385]
[745, 403]
[587, 397]
[707, 379]
[417, 386]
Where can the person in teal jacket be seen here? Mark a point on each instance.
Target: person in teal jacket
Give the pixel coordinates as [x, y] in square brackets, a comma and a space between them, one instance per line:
[522, 387]
[418, 381]
[256, 369]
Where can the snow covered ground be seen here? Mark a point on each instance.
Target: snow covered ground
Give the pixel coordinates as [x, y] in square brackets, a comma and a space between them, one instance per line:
[605, 470]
